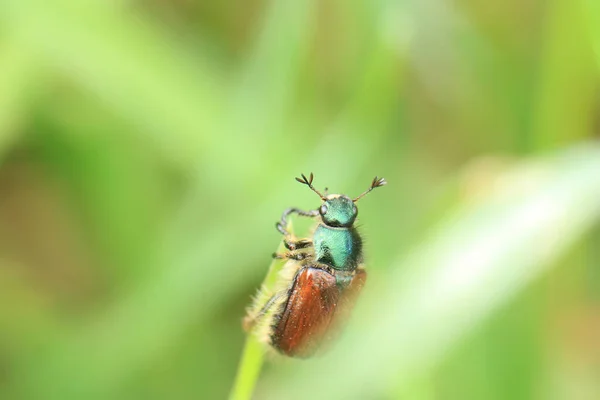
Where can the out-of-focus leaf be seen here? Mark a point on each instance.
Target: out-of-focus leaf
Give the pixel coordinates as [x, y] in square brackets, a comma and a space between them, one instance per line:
[165, 92]
[592, 12]
[17, 78]
[263, 95]
[567, 78]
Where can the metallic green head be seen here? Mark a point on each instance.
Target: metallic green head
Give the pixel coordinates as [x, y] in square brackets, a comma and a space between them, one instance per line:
[339, 210]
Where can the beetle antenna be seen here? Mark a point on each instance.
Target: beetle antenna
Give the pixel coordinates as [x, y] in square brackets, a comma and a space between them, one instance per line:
[308, 182]
[377, 182]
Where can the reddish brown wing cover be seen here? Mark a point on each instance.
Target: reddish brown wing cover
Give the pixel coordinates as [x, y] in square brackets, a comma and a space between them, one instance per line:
[308, 313]
[315, 312]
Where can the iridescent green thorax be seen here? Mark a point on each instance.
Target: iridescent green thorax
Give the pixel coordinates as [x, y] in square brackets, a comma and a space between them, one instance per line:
[340, 248]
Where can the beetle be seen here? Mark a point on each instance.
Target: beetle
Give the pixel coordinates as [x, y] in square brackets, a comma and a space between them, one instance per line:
[319, 283]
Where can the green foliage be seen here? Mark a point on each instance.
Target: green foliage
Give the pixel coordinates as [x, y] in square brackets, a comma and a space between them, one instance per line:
[147, 148]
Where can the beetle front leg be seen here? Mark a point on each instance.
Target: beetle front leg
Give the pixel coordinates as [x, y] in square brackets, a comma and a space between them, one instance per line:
[283, 222]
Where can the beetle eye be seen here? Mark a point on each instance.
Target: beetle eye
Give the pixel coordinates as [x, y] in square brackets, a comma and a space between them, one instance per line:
[354, 210]
[323, 209]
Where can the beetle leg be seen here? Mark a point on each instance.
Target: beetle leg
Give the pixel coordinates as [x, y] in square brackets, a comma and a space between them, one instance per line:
[283, 221]
[292, 255]
[298, 244]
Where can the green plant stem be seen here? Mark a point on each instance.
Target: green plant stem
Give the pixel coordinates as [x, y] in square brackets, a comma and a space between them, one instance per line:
[248, 370]
[253, 354]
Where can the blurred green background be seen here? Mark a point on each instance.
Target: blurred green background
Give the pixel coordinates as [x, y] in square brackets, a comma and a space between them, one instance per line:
[148, 147]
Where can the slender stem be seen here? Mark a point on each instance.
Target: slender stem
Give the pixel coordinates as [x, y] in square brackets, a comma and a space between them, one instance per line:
[248, 370]
[253, 354]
